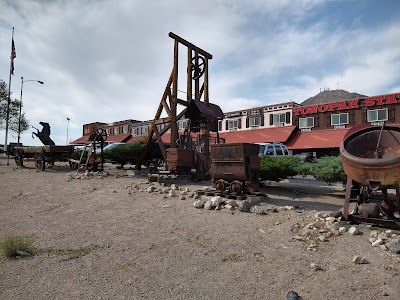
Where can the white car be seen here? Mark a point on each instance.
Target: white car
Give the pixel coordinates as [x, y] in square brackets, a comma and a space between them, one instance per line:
[273, 149]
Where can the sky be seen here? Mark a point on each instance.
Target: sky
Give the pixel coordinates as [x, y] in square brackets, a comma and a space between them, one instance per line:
[106, 60]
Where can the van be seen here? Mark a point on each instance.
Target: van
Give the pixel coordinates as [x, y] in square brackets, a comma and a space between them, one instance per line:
[273, 149]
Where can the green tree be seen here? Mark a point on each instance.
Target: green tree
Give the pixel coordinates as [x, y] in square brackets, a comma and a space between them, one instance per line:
[277, 168]
[14, 112]
[329, 169]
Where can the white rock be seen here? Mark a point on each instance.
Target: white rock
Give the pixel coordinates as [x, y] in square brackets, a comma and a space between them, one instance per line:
[354, 230]
[342, 230]
[377, 243]
[310, 226]
[322, 238]
[374, 234]
[217, 200]
[230, 207]
[316, 267]
[174, 187]
[330, 219]
[198, 204]
[383, 247]
[172, 194]
[208, 205]
[318, 216]
[288, 207]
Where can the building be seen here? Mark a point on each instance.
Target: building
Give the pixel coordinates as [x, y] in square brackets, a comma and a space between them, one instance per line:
[321, 127]
[317, 125]
[119, 131]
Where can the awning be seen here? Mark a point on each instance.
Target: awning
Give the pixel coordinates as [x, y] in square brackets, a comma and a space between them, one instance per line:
[317, 139]
[265, 135]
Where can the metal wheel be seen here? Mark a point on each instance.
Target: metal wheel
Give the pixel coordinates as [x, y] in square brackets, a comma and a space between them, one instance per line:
[220, 185]
[19, 161]
[197, 70]
[236, 187]
[40, 161]
[100, 135]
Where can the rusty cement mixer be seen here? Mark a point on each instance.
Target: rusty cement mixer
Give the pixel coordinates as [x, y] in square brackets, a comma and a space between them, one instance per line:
[371, 157]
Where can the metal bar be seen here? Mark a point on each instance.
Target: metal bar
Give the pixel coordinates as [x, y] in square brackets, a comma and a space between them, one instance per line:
[190, 45]
[196, 81]
[205, 84]
[189, 76]
[347, 198]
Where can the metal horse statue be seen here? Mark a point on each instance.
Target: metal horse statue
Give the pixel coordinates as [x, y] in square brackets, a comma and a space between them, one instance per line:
[44, 135]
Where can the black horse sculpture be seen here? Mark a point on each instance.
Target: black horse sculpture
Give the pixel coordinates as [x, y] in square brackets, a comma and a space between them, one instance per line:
[44, 135]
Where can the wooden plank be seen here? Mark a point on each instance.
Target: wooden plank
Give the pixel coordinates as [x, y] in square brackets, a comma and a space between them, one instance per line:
[190, 45]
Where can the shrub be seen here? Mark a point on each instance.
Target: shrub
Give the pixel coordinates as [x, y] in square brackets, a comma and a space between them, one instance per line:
[14, 243]
[129, 153]
[329, 169]
[304, 169]
[277, 168]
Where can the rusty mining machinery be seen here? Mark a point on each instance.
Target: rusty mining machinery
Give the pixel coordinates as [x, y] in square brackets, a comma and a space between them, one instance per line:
[371, 159]
[190, 150]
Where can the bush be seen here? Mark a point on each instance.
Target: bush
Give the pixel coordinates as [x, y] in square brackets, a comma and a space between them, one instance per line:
[329, 169]
[14, 243]
[277, 168]
[304, 169]
[129, 153]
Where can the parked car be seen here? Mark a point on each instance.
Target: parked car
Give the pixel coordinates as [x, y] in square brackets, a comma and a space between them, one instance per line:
[273, 149]
[112, 146]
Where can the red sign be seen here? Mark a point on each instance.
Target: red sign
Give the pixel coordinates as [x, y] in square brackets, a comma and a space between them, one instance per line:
[348, 104]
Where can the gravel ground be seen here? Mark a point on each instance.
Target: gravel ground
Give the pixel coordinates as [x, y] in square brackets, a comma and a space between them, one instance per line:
[103, 238]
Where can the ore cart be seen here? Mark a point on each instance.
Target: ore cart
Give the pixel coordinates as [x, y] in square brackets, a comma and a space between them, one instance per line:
[235, 167]
[42, 154]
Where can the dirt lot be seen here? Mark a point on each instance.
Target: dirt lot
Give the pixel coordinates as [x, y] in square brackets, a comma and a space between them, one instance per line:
[130, 244]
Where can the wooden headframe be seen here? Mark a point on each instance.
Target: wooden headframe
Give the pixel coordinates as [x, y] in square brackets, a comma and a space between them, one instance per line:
[197, 69]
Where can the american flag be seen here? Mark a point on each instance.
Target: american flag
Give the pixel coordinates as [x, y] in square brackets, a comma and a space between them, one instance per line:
[13, 55]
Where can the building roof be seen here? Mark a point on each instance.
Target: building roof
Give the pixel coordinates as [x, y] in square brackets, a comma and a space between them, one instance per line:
[317, 139]
[264, 135]
[79, 141]
[118, 138]
[331, 96]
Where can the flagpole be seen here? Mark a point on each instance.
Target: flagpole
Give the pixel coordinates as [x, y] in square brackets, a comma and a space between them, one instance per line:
[9, 96]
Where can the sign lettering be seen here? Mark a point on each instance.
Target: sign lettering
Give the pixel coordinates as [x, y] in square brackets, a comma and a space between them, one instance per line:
[347, 104]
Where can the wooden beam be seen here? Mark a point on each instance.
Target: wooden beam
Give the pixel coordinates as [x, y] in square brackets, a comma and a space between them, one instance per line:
[189, 45]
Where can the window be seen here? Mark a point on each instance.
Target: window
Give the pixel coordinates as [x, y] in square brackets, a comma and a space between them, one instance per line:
[278, 150]
[232, 124]
[306, 122]
[281, 118]
[340, 119]
[182, 125]
[125, 128]
[116, 130]
[108, 131]
[377, 115]
[270, 150]
[254, 121]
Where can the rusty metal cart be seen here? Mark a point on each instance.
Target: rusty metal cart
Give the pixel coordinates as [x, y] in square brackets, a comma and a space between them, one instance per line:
[235, 167]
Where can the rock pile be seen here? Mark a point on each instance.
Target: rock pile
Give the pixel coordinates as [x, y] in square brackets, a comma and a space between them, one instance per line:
[86, 175]
[325, 227]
